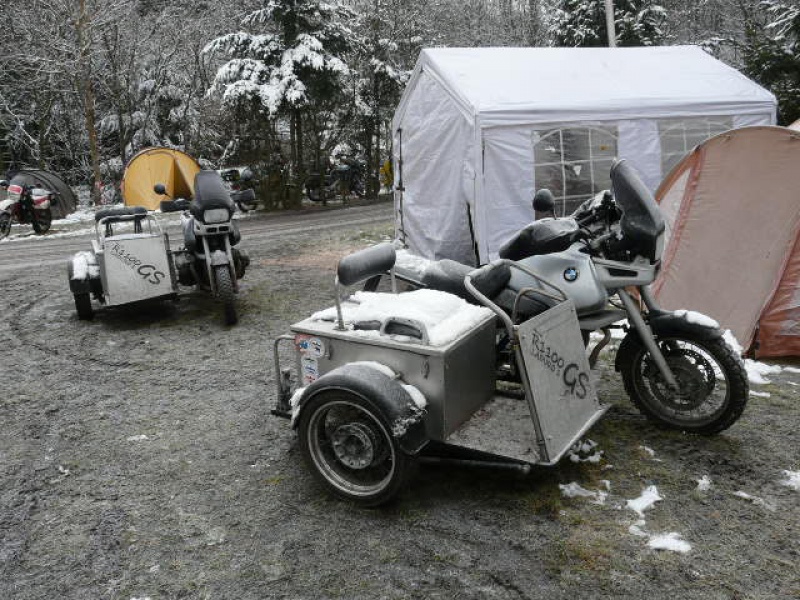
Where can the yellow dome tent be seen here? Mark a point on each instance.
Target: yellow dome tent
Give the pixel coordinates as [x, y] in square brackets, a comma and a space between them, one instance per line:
[173, 168]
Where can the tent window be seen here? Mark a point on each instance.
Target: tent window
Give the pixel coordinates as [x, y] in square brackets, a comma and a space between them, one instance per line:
[573, 162]
[680, 136]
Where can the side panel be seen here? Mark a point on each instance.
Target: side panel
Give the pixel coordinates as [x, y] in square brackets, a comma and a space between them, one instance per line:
[135, 268]
[564, 398]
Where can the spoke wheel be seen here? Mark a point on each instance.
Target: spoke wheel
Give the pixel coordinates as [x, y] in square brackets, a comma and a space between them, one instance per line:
[42, 220]
[712, 384]
[5, 225]
[348, 446]
[226, 294]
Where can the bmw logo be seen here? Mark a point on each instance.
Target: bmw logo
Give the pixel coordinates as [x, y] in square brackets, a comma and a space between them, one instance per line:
[571, 274]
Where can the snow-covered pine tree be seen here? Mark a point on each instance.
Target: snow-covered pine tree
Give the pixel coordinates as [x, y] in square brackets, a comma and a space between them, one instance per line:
[772, 55]
[583, 23]
[289, 64]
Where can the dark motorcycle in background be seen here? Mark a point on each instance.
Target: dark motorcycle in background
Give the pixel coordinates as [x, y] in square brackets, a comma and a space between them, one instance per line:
[237, 179]
[345, 178]
[26, 204]
[210, 258]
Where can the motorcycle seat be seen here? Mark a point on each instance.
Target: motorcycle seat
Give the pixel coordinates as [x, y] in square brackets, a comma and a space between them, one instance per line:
[448, 276]
[119, 214]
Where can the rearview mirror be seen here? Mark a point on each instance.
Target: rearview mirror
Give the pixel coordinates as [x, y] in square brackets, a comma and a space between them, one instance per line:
[246, 174]
[544, 202]
[160, 189]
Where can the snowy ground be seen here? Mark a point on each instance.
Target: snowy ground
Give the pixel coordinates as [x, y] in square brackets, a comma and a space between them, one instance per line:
[139, 460]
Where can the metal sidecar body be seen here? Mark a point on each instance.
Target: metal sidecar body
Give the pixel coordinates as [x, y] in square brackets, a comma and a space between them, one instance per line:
[383, 379]
[130, 261]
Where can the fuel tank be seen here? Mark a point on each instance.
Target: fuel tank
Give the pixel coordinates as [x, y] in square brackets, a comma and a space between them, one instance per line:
[571, 271]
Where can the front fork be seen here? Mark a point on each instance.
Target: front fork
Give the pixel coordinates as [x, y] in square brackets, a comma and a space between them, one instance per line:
[211, 263]
[644, 331]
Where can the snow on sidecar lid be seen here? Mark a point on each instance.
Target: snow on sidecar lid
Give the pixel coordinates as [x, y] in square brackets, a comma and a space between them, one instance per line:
[445, 316]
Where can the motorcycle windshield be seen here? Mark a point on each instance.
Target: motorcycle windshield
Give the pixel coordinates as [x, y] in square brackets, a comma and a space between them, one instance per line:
[641, 223]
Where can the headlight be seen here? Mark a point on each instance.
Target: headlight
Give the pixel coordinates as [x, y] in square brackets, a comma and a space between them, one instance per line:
[216, 215]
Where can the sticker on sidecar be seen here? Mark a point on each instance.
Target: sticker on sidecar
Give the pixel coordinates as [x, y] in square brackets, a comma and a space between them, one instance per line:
[310, 369]
[309, 345]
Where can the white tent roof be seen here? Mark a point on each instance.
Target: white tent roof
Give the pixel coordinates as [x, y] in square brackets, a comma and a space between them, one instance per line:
[505, 86]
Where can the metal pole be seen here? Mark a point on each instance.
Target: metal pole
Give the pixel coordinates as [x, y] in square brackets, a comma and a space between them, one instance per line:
[612, 34]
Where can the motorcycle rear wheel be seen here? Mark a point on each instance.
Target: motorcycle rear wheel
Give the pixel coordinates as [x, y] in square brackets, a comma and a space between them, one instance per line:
[42, 220]
[222, 274]
[712, 383]
[5, 225]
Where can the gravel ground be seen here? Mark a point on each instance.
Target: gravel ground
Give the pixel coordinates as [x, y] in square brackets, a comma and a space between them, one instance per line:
[138, 459]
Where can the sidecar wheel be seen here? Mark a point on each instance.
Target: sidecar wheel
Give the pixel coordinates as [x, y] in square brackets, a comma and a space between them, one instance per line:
[42, 220]
[83, 305]
[712, 383]
[5, 225]
[225, 292]
[348, 446]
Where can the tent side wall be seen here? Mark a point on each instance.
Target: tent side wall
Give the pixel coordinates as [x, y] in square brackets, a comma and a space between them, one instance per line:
[734, 228]
[438, 171]
[779, 327]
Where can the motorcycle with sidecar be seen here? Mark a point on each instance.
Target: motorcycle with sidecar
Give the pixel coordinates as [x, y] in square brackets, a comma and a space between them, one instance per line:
[384, 379]
[131, 260]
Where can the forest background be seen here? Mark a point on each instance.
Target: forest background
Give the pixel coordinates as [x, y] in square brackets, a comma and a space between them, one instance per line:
[284, 85]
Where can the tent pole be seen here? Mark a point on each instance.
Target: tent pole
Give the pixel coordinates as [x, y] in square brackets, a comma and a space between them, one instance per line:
[400, 188]
[612, 34]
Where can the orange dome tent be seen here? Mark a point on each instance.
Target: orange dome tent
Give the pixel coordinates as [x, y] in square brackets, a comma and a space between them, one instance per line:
[173, 168]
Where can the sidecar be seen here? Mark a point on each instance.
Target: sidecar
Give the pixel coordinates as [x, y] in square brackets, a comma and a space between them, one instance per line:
[130, 261]
[382, 380]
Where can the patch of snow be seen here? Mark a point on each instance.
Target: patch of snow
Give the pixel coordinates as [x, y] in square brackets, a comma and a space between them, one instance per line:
[138, 438]
[696, 318]
[446, 317]
[704, 484]
[760, 394]
[792, 480]
[417, 396]
[637, 529]
[574, 490]
[756, 371]
[755, 500]
[649, 497]
[669, 541]
[647, 450]
[794, 370]
[411, 262]
[84, 265]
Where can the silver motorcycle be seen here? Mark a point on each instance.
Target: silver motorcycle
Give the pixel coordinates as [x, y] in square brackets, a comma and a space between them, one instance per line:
[675, 365]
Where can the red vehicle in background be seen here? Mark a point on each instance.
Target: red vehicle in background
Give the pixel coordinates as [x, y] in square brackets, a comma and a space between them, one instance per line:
[26, 204]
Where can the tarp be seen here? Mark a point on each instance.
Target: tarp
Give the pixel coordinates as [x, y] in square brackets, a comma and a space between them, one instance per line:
[173, 168]
[733, 218]
[66, 202]
[480, 129]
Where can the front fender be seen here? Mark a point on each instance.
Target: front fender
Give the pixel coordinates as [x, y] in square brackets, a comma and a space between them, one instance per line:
[404, 418]
[669, 324]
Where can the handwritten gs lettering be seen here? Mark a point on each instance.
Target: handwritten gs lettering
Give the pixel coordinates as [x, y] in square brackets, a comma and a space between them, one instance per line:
[575, 380]
[148, 272]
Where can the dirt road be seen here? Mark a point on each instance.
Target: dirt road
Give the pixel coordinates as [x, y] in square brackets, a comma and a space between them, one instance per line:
[138, 459]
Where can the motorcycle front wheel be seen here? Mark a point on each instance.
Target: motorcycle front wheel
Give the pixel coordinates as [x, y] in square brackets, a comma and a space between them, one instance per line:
[712, 382]
[5, 225]
[42, 220]
[222, 274]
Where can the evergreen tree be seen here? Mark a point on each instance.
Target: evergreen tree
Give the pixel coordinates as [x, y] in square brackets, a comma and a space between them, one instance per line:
[290, 66]
[772, 56]
[583, 23]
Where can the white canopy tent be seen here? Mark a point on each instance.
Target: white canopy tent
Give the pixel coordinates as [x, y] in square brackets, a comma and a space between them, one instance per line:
[479, 129]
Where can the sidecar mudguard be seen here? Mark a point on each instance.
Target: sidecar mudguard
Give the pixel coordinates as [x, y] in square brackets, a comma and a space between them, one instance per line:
[404, 417]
